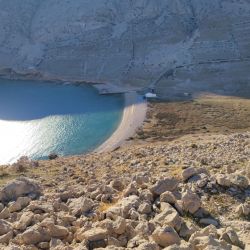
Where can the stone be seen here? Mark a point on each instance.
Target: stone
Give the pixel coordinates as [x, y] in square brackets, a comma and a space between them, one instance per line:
[5, 227]
[40, 207]
[191, 202]
[209, 221]
[209, 242]
[21, 186]
[33, 235]
[56, 231]
[239, 181]
[187, 229]
[165, 236]
[117, 184]
[130, 190]
[119, 226]
[182, 246]
[123, 207]
[43, 245]
[94, 234]
[19, 204]
[231, 237]
[5, 239]
[223, 180]
[56, 244]
[145, 228]
[141, 179]
[1, 207]
[52, 156]
[243, 209]
[168, 197]
[167, 184]
[168, 217]
[145, 208]
[114, 242]
[80, 205]
[188, 172]
[24, 221]
[148, 246]
[5, 213]
[207, 231]
[146, 195]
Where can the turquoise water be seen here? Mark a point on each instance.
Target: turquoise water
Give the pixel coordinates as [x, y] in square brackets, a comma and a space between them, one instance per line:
[38, 118]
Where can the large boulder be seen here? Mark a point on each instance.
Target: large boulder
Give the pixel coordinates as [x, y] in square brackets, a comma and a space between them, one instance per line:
[20, 187]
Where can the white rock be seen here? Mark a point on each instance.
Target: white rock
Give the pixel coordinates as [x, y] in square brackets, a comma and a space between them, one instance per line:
[168, 217]
[119, 226]
[5, 239]
[243, 209]
[168, 197]
[145, 208]
[20, 187]
[5, 213]
[80, 205]
[167, 184]
[19, 204]
[24, 221]
[93, 234]
[165, 236]
[5, 227]
[191, 202]
[223, 180]
[33, 235]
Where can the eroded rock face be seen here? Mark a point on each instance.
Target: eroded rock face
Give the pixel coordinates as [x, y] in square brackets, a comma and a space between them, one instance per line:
[135, 43]
[20, 187]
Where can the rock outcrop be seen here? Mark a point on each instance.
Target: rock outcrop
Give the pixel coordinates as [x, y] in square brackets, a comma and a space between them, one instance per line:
[185, 44]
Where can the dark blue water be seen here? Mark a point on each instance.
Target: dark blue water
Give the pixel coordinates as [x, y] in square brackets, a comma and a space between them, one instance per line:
[38, 118]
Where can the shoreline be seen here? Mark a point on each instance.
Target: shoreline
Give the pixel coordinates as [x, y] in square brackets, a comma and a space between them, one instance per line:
[134, 114]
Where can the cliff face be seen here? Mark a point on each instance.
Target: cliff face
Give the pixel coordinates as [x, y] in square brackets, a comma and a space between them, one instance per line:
[178, 43]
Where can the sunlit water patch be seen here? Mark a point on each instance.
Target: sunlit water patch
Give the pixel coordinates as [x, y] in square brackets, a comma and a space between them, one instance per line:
[39, 118]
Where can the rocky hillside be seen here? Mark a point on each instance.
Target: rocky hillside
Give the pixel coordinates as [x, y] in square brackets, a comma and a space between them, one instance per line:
[181, 43]
[191, 194]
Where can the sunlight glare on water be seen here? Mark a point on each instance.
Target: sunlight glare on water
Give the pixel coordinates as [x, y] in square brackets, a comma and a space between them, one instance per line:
[37, 119]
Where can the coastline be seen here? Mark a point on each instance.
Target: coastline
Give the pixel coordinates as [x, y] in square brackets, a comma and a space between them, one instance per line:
[134, 114]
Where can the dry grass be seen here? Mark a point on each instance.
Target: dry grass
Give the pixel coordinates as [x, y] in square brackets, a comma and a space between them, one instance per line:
[208, 114]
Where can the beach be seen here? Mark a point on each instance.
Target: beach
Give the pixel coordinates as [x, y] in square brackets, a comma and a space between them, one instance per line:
[133, 116]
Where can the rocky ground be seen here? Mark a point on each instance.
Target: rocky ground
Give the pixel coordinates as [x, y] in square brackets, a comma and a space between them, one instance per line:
[185, 189]
[188, 194]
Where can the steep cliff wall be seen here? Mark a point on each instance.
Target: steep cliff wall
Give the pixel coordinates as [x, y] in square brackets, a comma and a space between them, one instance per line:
[173, 43]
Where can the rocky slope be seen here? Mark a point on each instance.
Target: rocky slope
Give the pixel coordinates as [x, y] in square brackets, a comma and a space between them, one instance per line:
[191, 194]
[179, 44]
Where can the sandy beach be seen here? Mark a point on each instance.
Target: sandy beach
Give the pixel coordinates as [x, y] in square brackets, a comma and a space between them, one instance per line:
[133, 116]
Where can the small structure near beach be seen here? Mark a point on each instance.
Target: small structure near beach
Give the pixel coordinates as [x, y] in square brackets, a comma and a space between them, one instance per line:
[150, 95]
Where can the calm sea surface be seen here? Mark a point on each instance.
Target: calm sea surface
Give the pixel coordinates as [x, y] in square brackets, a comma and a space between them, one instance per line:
[38, 118]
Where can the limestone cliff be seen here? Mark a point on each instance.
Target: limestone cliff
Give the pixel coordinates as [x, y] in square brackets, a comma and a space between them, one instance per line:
[174, 43]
